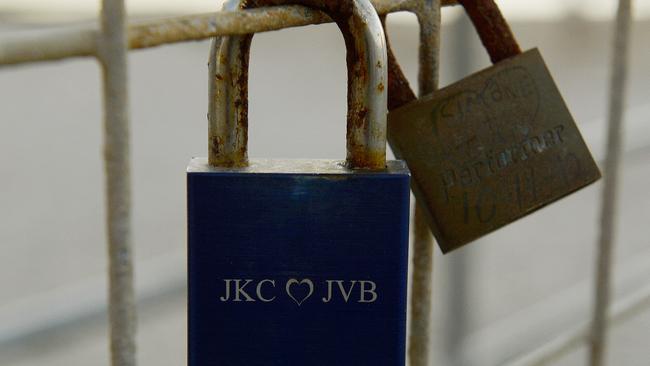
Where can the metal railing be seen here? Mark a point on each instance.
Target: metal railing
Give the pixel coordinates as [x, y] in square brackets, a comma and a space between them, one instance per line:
[109, 45]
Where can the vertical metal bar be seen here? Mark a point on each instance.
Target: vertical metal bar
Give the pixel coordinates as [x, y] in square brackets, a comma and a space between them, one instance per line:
[459, 262]
[421, 283]
[610, 183]
[421, 291]
[112, 52]
[429, 64]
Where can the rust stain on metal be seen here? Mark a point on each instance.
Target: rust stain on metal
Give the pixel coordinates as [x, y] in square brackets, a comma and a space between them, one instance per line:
[360, 119]
[242, 87]
[358, 76]
[214, 150]
[492, 29]
[217, 158]
[360, 156]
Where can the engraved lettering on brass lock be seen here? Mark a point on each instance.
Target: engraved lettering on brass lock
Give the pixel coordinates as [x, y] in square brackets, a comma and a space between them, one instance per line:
[492, 147]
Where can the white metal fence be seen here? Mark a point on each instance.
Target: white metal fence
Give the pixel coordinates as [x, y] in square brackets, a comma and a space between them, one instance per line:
[110, 44]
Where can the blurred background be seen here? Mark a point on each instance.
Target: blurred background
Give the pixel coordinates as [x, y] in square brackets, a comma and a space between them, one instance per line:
[495, 299]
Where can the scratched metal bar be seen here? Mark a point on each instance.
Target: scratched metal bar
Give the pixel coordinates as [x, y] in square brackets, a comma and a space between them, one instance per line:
[419, 350]
[460, 264]
[598, 339]
[112, 56]
[83, 42]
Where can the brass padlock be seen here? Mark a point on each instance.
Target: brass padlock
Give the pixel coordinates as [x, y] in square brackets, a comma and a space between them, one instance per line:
[492, 147]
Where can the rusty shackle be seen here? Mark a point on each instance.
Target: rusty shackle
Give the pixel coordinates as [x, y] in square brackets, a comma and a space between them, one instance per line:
[492, 29]
[367, 85]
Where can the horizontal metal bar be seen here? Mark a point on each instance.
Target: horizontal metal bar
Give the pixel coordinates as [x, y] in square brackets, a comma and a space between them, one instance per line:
[162, 277]
[82, 43]
[509, 338]
[568, 341]
[55, 46]
[51, 312]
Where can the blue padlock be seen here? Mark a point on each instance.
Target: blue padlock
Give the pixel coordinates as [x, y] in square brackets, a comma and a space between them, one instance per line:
[299, 262]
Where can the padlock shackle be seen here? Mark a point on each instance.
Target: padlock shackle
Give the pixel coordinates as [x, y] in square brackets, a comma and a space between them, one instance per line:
[367, 86]
[492, 28]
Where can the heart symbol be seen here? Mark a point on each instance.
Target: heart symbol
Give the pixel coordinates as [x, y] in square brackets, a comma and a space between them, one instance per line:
[300, 284]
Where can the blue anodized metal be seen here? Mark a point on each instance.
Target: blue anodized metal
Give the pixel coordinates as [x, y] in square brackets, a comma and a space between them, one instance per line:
[297, 263]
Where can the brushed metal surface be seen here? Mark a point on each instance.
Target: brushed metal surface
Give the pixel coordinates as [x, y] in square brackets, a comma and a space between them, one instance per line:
[318, 258]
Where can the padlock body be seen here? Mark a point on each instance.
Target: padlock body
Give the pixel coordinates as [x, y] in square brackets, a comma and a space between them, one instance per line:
[490, 149]
[297, 263]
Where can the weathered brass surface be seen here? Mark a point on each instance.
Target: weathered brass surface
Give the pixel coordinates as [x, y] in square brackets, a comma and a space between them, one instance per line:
[490, 149]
